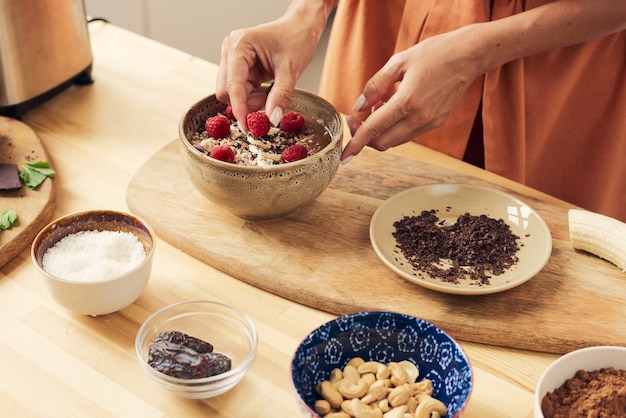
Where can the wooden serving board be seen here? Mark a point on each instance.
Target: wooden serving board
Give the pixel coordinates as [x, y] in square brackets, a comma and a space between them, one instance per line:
[18, 145]
[321, 256]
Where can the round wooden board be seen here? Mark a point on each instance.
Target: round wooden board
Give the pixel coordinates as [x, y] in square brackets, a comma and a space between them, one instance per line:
[18, 145]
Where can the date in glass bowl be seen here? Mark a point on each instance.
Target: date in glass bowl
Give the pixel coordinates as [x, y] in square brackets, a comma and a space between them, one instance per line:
[229, 330]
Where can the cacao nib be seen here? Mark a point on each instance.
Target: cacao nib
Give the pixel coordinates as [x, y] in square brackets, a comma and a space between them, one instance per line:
[474, 247]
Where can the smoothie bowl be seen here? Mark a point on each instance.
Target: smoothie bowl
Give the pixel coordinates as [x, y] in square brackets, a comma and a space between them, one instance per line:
[249, 175]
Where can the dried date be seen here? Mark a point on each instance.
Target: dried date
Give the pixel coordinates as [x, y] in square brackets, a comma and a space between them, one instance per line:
[180, 338]
[180, 355]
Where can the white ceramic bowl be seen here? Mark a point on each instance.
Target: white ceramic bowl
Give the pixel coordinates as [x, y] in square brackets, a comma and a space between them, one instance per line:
[95, 297]
[230, 331]
[566, 366]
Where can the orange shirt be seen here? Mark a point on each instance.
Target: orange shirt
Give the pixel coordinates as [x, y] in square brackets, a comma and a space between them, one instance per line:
[554, 121]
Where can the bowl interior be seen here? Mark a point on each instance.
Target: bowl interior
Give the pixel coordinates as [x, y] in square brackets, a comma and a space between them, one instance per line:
[383, 337]
[87, 221]
[311, 106]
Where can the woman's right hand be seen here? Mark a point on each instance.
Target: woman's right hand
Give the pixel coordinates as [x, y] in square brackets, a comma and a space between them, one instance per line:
[279, 51]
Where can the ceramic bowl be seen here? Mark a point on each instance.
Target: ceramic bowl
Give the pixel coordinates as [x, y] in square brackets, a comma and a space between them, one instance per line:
[229, 330]
[95, 297]
[566, 366]
[384, 337]
[253, 192]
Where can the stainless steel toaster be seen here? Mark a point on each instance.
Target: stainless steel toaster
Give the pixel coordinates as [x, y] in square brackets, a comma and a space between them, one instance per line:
[44, 48]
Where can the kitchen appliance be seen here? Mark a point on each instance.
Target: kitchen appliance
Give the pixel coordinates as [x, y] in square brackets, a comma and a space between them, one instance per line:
[44, 48]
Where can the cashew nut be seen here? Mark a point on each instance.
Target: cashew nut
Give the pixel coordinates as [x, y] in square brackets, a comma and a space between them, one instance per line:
[351, 374]
[322, 406]
[383, 405]
[398, 375]
[411, 370]
[381, 371]
[362, 410]
[376, 392]
[425, 387]
[411, 405]
[428, 407]
[397, 412]
[339, 414]
[400, 395]
[368, 378]
[351, 390]
[330, 394]
[355, 362]
[335, 375]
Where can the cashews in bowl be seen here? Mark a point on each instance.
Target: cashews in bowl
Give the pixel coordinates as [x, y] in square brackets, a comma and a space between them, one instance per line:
[370, 389]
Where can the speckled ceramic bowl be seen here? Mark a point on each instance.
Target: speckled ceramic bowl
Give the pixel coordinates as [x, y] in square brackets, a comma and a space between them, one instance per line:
[384, 337]
[253, 192]
[99, 297]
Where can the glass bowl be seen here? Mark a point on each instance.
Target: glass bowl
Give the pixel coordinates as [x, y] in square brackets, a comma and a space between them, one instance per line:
[229, 330]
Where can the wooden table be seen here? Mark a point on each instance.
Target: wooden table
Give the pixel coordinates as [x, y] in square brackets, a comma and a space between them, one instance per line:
[57, 364]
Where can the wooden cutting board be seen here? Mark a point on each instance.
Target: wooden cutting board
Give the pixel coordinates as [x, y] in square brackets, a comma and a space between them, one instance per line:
[321, 256]
[18, 145]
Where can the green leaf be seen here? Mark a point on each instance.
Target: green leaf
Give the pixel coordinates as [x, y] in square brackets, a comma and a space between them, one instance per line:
[33, 174]
[7, 218]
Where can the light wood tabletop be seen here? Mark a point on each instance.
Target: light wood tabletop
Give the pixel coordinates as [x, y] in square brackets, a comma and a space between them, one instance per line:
[58, 364]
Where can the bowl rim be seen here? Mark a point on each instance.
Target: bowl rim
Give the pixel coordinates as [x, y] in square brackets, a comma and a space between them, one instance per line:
[363, 314]
[235, 372]
[123, 276]
[334, 139]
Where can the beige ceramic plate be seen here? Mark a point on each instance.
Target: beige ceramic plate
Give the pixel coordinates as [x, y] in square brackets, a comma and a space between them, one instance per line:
[451, 201]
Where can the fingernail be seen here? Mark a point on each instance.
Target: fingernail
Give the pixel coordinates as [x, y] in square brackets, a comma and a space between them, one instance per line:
[347, 160]
[240, 125]
[359, 103]
[277, 114]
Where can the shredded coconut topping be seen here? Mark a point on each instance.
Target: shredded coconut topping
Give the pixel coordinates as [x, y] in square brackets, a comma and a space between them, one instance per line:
[92, 256]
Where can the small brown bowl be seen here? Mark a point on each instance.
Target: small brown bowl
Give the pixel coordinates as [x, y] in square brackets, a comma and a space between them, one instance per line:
[254, 192]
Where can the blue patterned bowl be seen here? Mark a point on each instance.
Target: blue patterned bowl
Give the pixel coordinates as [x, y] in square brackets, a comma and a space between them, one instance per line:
[382, 337]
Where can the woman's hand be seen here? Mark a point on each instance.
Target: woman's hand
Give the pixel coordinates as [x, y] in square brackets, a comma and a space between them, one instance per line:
[434, 74]
[432, 77]
[279, 51]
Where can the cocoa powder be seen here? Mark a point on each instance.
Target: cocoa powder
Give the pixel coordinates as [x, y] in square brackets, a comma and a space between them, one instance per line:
[590, 394]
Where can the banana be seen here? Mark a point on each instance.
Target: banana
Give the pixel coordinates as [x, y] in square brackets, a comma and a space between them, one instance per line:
[598, 234]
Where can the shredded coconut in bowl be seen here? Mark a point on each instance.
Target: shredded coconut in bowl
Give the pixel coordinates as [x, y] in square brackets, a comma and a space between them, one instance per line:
[93, 256]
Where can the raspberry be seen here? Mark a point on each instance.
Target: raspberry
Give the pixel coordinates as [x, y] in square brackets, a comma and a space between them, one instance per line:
[218, 126]
[229, 113]
[292, 122]
[258, 124]
[223, 153]
[294, 153]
